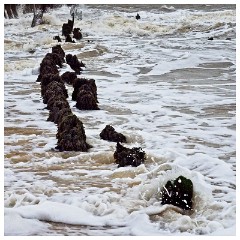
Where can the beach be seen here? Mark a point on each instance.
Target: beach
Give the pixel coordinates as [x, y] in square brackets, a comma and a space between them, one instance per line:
[162, 83]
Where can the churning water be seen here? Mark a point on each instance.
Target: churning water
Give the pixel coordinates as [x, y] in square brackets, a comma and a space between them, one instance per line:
[162, 84]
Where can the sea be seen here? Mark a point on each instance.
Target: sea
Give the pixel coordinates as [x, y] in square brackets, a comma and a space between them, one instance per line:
[162, 83]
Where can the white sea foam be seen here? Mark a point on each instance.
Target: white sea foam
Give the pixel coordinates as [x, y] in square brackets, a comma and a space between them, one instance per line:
[17, 225]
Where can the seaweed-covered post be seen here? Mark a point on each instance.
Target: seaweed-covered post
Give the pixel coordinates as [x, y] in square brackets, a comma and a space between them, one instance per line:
[128, 156]
[178, 193]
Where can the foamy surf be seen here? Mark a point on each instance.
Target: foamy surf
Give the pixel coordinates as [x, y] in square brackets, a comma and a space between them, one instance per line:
[163, 84]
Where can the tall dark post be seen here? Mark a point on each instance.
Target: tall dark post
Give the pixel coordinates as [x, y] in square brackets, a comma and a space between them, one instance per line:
[37, 15]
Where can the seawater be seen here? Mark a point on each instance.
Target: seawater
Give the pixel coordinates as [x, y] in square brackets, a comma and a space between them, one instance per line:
[162, 84]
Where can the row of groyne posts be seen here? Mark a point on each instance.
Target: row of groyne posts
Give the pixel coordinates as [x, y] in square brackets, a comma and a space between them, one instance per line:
[70, 129]
[71, 134]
